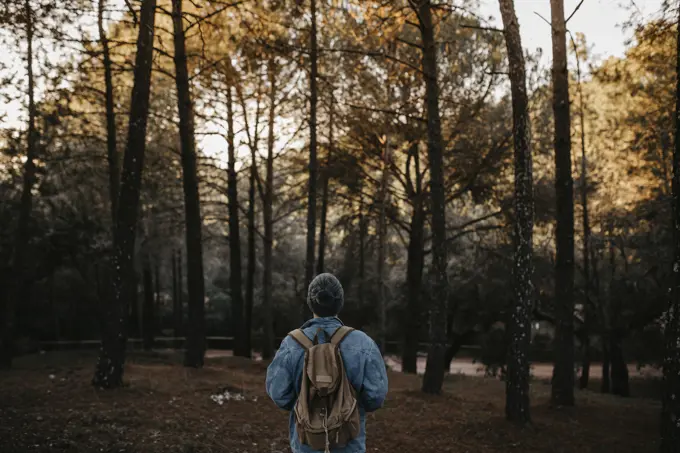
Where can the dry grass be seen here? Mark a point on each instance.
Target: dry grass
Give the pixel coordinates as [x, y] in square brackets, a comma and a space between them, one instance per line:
[167, 408]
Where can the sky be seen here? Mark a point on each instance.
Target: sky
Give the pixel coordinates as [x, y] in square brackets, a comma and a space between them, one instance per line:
[600, 20]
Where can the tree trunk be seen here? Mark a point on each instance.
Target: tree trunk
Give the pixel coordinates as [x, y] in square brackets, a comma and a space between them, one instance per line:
[111, 147]
[362, 247]
[619, 367]
[517, 377]
[563, 372]
[179, 314]
[158, 325]
[148, 320]
[587, 309]
[606, 374]
[268, 201]
[457, 341]
[109, 370]
[382, 245]
[11, 292]
[195, 345]
[324, 191]
[134, 318]
[235, 274]
[434, 371]
[414, 272]
[244, 345]
[311, 197]
[670, 413]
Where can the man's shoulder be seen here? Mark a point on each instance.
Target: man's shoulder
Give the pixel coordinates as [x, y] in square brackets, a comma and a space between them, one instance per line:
[358, 340]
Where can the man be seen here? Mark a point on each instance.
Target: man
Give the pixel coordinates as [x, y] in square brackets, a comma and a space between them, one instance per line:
[363, 363]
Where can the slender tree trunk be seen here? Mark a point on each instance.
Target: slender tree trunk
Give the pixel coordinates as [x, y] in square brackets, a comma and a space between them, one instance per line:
[268, 201]
[382, 245]
[324, 196]
[517, 378]
[179, 314]
[12, 291]
[414, 272]
[245, 347]
[134, 327]
[148, 320]
[195, 345]
[111, 147]
[619, 367]
[587, 304]
[362, 247]
[606, 373]
[670, 413]
[563, 372]
[311, 198]
[434, 371]
[235, 274]
[158, 325]
[109, 370]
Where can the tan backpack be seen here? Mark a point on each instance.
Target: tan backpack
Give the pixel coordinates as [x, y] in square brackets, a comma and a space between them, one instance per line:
[326, 412]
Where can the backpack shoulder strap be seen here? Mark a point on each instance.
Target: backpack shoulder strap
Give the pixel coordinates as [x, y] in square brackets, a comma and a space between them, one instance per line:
[339, 335]
[299, 336]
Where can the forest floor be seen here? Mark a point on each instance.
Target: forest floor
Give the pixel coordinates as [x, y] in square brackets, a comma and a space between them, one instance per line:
[47, 404]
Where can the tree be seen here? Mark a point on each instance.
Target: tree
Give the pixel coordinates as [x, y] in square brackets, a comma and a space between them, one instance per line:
[563, 373]
[311, 195]
[148, 309]
[235, 273]
[12, 291]
[109, 370]
[195, 347]
[324, 189]
[670, 412]
[268, 218]
[517, 378]
[434, 371]
[111, 145]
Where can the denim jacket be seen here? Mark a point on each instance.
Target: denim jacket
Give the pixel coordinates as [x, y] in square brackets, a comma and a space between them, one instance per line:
[364, 366]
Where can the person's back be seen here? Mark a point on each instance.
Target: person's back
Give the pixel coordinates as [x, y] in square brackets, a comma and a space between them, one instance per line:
[361, 357]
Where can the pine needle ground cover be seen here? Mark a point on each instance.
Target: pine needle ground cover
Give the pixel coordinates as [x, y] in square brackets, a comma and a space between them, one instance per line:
[48, 405]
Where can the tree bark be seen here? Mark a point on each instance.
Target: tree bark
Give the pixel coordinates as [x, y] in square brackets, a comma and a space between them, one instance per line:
[670, 413]
[133, 316]
[619, 367]
[587, 304]
[148, 321]
[12, 291]
[434, 371]
[606, 374]
[111, 146]
[362, 247]
[324, 191]
[179, 315]
[517, 377]
[382, 245]
[244, 344]
[311, 197]
[195, 344]
[563, 372]
[110, 365]
[268, 219]
[235, 274]
[414, 271]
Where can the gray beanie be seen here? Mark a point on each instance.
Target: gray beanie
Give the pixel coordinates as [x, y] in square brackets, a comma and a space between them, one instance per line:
[325, 296]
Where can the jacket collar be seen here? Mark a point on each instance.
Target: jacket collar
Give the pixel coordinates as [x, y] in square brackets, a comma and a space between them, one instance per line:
[323, 322]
